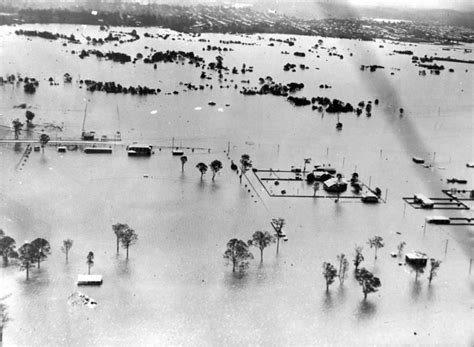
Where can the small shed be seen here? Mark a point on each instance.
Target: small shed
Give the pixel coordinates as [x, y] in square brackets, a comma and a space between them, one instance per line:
[416, 258]
[437, 220]
[334, 185]
[89, 280]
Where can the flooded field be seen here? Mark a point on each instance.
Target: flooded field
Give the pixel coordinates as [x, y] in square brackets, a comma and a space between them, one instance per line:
[175, 288]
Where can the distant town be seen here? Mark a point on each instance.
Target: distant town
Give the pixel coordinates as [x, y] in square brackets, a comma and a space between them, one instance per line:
[238, 19]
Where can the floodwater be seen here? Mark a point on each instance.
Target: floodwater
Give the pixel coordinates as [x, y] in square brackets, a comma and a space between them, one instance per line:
[175, 288]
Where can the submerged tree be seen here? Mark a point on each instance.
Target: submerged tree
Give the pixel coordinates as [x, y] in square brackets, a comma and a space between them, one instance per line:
[7, 248]
[418, 267]
[183, 159]
[329, 273]
[434, 266]
[261, 239]
[376, 242]
[44, 139]
[90, 262]
[278, 224]
[118, 230]
[343, 267]
[358, 257]
[128, 238]
[368, 281]
[17, 125]
[245, 162]
[400, 248]
[215, 166]
[238, 253]
[29, 118]
[66, 247]
[42, 249]
[202, 168]
[27, 258]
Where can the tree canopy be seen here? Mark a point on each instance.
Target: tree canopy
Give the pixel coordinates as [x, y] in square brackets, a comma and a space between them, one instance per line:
[42, 249]
[7, 248]
[118, 230]
[238, 253]
[202, 168]
[261, 240]
[215, 166]
[329, 273]
[27, 258]
[368, 281]
[128, 237]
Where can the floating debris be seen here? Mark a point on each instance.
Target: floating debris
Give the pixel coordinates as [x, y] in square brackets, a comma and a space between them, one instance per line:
[78, 298]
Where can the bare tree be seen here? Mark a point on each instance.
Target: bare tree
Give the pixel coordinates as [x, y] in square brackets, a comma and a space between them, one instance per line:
[376, 242]
[400, 248]
[343, 267]
[66, 247]
[434, 266]
[329, 273]
[358, 257]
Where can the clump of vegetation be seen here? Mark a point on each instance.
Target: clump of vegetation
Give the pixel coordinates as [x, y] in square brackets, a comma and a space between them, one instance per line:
[329, 273]
[238, 254]
[261, 240]
[376, 242]
[367, 281]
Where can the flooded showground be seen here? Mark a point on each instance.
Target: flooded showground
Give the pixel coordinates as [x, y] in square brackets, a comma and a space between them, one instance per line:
[175, 288]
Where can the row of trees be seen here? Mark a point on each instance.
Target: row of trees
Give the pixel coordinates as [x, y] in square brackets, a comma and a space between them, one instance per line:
[364, 277]
[31, 254]
[238, 251]
[215, 166]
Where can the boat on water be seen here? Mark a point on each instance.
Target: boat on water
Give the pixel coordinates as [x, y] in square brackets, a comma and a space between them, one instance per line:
[137, 150]
[98, 150]
[418, 160]
[470, 164]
